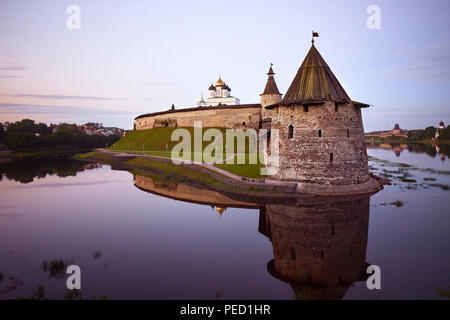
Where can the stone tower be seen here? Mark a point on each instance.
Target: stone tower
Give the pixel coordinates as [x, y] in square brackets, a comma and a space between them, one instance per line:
[271, 95]
[320, 128]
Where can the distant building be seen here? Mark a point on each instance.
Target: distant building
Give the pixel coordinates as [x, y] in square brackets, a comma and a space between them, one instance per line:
[219, 94]
[441, 125]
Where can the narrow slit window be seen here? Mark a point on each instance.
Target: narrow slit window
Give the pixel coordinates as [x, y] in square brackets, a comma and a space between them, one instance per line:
[293, 255]
[320, 133]
[331, 157]
[336, 107]
[305, 108]
[291, 132]
[348, 133]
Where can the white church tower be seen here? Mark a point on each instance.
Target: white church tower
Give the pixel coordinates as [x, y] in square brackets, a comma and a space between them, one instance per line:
[220, 95]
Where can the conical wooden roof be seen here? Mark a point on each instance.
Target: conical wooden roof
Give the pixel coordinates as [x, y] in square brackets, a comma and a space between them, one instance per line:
[271, 86]
[314, 81]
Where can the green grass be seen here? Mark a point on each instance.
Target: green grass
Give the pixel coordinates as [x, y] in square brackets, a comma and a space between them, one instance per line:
[153, 142]
[156, 139]
[244, 170]
[94, 155]
[169, 168]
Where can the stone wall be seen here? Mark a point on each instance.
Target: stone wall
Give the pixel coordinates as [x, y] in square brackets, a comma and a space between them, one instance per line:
[327, 146]
[241, 116]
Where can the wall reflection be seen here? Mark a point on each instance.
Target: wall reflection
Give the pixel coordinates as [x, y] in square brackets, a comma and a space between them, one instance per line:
[319, 245]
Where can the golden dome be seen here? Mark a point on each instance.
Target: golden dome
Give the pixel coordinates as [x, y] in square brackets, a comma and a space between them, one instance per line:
[219, 82]
[220, 210]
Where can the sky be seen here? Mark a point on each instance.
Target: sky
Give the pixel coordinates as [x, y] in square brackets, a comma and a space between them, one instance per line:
[133, 57]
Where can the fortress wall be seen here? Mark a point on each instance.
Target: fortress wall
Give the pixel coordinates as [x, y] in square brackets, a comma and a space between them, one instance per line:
[247, 117]
[306, 156]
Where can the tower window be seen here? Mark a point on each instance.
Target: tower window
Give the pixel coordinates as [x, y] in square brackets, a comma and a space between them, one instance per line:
[291, 132]
[305, 108]
[322, 254]
[336, 107]
[331, 157]
[243, 123]
[348, 133]
[293, 255]
[320, 133]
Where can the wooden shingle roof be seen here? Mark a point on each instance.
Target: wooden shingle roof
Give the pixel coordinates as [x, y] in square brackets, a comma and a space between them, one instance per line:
[315, 81]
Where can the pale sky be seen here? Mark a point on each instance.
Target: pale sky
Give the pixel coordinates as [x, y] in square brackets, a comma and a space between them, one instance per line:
[133, 57]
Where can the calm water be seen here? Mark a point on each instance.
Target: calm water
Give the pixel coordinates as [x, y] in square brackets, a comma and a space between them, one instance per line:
[134, 237]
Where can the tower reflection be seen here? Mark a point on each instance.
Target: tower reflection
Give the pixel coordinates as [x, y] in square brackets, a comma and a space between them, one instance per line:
[319, 248]
[319, 245]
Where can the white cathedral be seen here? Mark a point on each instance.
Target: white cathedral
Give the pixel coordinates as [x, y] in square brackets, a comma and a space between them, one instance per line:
[219, 95]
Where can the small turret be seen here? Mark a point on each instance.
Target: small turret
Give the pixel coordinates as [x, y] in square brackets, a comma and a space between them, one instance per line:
[271, 95]
[202, 102]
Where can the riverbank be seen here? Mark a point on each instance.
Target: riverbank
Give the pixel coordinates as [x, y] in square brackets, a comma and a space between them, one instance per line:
[209, 176]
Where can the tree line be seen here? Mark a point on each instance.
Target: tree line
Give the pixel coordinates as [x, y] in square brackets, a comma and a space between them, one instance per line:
[28, 135]
[428, 133]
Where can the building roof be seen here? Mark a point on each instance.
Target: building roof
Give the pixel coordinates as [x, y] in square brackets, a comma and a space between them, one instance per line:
[212, 87]
[237, 106]
[219, 82]
[271, 86]
[315, 81]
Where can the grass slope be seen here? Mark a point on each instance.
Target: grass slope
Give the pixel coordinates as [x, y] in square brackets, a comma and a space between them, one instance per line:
[155, 140]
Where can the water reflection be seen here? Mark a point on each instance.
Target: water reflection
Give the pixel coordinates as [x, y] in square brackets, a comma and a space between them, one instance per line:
[319, 246]
[24, 170]
[157, 248]
[432, 150]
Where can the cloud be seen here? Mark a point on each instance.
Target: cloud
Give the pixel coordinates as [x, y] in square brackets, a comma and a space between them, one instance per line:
[9, 76]
[22, 108]
[63, 184]
[156, 83]
[61, 97]
[69, 97]
[13, 68]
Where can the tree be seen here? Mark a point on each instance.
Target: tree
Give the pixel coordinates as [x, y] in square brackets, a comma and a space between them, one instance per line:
[415, 135]
[2, 133]
[430, 132]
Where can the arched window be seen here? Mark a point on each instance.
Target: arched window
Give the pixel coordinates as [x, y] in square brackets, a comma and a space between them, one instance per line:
[291, 132]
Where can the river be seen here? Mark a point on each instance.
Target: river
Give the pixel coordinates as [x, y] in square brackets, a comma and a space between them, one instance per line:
[138, 238]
